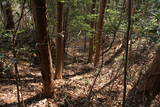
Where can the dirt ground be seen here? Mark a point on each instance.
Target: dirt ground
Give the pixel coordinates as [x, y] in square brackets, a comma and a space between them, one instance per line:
[73, 90]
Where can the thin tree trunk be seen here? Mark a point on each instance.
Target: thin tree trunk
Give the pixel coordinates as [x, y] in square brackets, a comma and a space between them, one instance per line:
[127, 37]
[108, 4]
[138, 4]
[9, 25]
[91, 39]
[59, 41]
[131, 32]
[85, 43]
[65, 27]
[99, 30]
[39, 8]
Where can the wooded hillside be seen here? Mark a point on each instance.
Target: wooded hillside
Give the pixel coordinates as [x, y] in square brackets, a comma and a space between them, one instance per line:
[79, 53]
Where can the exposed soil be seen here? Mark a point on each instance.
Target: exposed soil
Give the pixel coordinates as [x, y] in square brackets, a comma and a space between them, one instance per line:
[72, 91]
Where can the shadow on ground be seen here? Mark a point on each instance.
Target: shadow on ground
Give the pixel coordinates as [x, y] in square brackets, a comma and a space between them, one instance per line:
[28, 101]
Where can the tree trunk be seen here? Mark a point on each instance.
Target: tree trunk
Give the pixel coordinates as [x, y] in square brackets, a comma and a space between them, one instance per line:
[138, 4]
[39, 8]
[152, 80]
[131, 32]
[108, 4]
[7, 14]
[59, 41]
[65, 27]
[85, 43]
[91, 39]
[147, 87]
[99, 30]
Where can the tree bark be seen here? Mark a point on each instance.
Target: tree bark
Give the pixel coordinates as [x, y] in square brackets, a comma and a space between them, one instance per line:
[152, 80]
[85, 43]
[147, 86]
[99, 30]
[39, 8]
[59, 41]
[7, 14]
[90, 54]
[65, 27]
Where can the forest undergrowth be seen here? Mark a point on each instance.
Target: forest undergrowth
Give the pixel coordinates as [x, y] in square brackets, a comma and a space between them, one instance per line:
[73, 90]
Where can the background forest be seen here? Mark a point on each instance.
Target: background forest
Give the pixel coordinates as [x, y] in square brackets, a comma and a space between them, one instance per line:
[79, 53]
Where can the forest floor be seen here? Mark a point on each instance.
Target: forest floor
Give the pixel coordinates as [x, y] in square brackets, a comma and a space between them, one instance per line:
[73, 90]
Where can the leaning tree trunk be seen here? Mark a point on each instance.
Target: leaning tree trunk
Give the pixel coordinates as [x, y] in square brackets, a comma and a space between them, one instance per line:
[59, 41]
[151, 81]
[147, 87]
[7, 15]
[39, 8]
[99, 30]
[90, 55]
